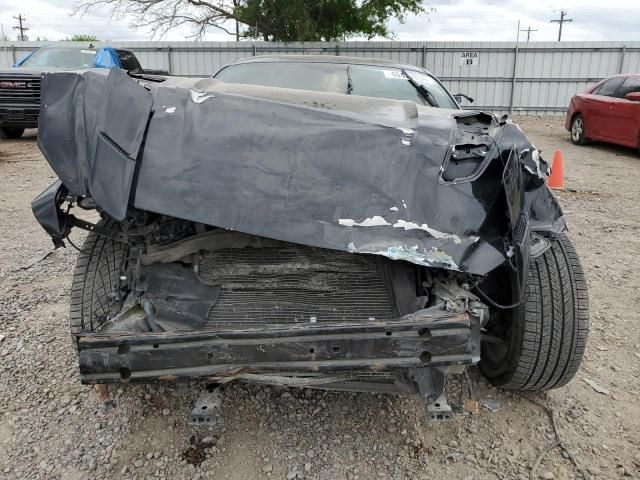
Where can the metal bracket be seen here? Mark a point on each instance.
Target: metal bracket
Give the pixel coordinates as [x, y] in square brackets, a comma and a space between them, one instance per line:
[439, 410]
[430, 383]
[206, 411]
[73, 221]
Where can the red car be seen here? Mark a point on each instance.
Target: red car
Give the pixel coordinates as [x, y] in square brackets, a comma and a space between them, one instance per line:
[608, 112]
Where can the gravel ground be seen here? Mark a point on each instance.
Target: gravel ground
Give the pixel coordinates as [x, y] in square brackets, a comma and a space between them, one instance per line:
[51, 426]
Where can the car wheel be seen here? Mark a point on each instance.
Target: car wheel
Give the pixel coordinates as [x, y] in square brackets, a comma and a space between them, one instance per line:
[542, 344]
[11, 132]
[578, 130]
[96, 287]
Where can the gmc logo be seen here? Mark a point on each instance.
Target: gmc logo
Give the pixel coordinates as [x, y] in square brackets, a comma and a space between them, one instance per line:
[13, 84]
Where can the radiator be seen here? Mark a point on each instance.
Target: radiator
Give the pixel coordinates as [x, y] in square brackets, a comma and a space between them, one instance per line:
[294, 285]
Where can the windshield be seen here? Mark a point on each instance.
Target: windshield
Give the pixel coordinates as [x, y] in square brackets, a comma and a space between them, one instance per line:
[362, 80]
[61, 58]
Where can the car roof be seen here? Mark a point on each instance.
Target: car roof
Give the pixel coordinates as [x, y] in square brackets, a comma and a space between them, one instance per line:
[327, 59]
[624, 75]
[79, 46]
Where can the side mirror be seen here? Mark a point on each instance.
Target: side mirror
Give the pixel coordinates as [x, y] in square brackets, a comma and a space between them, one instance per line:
[633, 96]
[459, 96]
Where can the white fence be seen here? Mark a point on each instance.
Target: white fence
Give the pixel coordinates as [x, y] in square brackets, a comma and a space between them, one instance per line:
[529, 78]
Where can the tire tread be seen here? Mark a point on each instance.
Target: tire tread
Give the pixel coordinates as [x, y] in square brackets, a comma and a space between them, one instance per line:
[554, 321]
[96, 276]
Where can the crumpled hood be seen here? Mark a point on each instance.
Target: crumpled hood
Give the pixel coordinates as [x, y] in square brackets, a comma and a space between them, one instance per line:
[434, 187]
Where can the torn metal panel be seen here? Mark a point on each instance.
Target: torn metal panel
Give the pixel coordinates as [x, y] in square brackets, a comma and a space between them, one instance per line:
[46, 209]
[95, 124]
[178, 299]
[341, 172]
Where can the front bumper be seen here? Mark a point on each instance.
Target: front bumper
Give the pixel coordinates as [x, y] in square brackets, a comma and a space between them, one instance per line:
[428, 338]
[19, 117]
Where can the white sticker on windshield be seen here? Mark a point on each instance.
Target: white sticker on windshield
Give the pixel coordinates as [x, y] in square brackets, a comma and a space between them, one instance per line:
[92, 52]
[398, 75]
[421, 78]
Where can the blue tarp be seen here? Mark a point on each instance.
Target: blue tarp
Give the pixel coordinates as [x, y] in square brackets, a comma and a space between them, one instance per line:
[107, 58]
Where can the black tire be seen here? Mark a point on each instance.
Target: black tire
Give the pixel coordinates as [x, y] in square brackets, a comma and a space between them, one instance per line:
[11, 132]
[95, 289]
[578, 129]
[548, 333]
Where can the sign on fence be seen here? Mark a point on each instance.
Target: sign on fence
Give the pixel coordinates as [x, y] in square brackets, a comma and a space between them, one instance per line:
[469, 59]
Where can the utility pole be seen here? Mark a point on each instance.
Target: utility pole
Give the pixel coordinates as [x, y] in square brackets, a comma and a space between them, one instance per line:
[561, 20]
[20, 26]
[235, 5]
[529, 30]
[4, 39]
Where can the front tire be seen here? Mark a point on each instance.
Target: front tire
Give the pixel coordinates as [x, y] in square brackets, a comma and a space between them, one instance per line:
[578, 130]
[545, 341]
[95, 289]
[12, 133]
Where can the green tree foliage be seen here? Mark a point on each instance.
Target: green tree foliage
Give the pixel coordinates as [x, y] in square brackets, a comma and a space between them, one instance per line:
[81, 37]
[312, 20]
[276, 20]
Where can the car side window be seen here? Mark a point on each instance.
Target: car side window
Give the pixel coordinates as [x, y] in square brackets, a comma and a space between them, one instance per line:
[630, 85]
[609, 87]
[129, 61]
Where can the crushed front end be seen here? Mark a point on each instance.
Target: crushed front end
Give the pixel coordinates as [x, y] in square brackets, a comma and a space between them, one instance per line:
[295, 238]
[221, 305]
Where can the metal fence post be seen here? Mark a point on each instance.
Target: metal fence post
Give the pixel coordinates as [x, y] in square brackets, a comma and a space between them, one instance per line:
[170, 63]
[13, 54]
[623, 50]
[337, 50]
[424, 57]
[254, 50]
[514, 78]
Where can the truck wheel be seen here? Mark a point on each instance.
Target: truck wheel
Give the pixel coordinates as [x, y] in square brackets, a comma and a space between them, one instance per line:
[578, 130]
[543, 341]
[95, 289]
[11, 132]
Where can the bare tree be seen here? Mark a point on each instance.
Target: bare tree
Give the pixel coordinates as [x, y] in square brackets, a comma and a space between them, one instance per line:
[160, 16]
[280, 20]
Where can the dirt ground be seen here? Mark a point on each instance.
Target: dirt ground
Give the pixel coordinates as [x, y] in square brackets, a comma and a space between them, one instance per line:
[52, 427]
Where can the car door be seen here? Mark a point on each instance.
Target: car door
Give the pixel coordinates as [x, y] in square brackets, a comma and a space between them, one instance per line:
[623, 116]
[597, 108]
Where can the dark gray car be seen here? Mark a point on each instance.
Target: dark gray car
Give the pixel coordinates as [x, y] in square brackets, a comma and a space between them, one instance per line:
[312, 222]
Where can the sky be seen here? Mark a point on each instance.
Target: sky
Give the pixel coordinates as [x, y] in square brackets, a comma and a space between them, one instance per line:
[447, 20]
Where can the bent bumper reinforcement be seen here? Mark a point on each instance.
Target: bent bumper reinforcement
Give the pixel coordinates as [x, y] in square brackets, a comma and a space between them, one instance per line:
[426, 339]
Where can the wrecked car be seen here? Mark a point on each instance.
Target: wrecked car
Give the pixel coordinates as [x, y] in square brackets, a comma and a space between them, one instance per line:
[308, 237]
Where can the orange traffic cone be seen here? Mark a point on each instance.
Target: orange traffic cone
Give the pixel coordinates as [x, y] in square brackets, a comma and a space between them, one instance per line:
[556, 179]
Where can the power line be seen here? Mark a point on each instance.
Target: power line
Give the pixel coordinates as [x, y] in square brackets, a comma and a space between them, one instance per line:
[21, 27]
[529, 30]
[561, 20]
